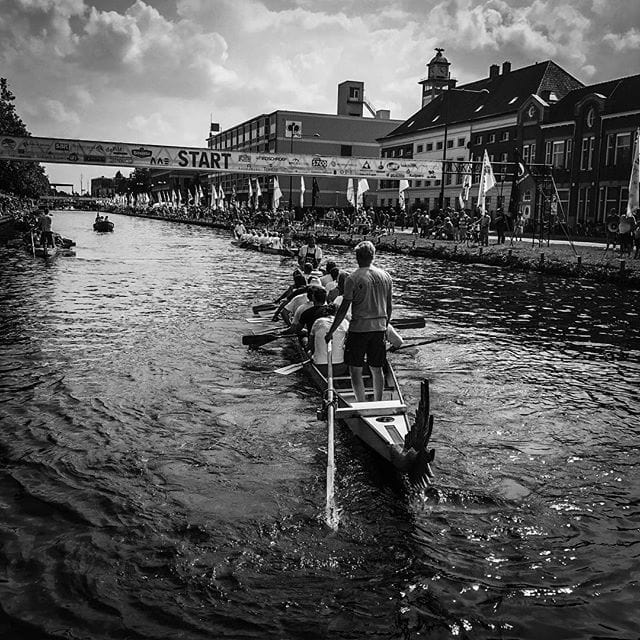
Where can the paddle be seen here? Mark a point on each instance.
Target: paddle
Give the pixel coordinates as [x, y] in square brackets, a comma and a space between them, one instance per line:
[292, 368]
[267, 306]
[418, 344]
[265, 338]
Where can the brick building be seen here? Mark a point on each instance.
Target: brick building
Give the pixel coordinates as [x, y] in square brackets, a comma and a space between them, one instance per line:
[457, 124]
[583, 133]
[346, 133]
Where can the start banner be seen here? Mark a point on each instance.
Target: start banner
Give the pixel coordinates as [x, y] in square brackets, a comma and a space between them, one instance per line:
[147, 156]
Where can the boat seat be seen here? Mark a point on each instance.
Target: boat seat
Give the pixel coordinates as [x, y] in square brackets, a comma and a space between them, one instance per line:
[381, 408]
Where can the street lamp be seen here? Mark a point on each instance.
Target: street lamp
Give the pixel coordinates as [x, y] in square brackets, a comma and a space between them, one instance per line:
[293, 128]
[445, 104]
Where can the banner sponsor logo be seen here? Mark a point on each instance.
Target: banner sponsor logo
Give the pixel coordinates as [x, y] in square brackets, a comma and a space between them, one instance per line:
[141, 152]
[209, 160]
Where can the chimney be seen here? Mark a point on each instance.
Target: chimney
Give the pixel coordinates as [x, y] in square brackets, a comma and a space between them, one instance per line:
[215, 127]
[494, 71]
[383, 114]
[506, 68]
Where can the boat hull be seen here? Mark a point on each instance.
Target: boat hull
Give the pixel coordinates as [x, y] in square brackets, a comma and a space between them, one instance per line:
[103, 226]
[287, 253]
[384, 434]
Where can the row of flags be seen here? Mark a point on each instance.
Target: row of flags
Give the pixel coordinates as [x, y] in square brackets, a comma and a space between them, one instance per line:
[356, 190]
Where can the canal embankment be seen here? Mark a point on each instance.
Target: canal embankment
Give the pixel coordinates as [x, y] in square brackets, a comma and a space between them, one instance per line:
[583, 259]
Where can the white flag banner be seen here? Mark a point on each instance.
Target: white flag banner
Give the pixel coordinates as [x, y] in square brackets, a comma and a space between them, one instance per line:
[277, 194]
[214, 194]
[363, 187]
[402, 187]
[633, 203]
[250, 191]
[351, 197]
[302, 190]
[487, 180]
[258, 190]
[466, 187]
[221, 194]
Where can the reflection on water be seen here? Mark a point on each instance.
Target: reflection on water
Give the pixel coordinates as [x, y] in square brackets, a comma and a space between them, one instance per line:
[158, 481]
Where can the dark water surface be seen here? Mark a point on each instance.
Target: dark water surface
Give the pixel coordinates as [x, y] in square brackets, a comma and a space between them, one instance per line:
[157, 480]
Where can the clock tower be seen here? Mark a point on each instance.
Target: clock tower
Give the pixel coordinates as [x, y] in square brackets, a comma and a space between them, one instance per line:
[438, 78]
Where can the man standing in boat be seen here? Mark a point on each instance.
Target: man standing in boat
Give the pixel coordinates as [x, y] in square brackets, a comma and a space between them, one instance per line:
[368, 291]
[44, 225]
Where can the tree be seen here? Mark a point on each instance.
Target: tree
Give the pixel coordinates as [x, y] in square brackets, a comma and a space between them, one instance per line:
[16, 176]
[120, 183]
[140, 180]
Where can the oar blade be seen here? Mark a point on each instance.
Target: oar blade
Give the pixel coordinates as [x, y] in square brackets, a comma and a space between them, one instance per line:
[256, 341]
[409, 323]
[267, 306]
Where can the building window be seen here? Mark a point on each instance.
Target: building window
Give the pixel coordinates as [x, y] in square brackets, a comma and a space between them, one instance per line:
[419, 148]
[429, 146]
[447, 176]
[346, 150]
[526, 197]
[558, 153]
[447, 202]
[618, 148]
[478, 139]
[417, 183]
[427, 183]
[439, 145]
[461, 142]
[504, 136]
[529, 153]
[449, 144]
[426, 203]
[584, 204]
[354, 93]
[492, 138]
[586, 155]
[563, 204]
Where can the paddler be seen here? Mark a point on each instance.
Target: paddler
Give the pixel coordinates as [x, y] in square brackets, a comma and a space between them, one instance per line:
[368, 292]
[310, 252]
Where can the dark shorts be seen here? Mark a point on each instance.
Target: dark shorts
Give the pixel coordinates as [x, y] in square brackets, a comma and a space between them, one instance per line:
[370, 344]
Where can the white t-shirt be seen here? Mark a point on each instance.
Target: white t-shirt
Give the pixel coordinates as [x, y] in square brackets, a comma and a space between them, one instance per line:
[319, 331]
[294, 303]
[300, 310]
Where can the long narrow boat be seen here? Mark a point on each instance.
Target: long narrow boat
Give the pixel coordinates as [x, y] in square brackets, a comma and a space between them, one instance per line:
[288, 253]
[48, 253]
[383, 425]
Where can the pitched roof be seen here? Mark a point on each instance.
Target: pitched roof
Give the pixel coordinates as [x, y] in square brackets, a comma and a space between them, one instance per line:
[620, 95]
[506, 94]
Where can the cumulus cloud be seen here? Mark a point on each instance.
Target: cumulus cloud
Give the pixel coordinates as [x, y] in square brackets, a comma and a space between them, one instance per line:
[623, 42]
[155, 71]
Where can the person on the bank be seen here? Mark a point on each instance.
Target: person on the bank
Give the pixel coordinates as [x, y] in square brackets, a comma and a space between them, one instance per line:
[310, 252]
[626, 229]
[368, 292]
[483, 226]
[44, 225]
[611, 222]
[501, 226]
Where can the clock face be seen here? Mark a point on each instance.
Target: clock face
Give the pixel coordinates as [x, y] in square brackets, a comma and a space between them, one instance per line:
[532, 111]
[591, 116]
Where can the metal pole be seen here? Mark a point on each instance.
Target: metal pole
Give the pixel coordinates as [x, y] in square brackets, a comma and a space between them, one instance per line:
[445, 105]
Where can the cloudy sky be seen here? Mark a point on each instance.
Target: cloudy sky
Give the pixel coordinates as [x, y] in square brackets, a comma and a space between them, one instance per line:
[157, 71]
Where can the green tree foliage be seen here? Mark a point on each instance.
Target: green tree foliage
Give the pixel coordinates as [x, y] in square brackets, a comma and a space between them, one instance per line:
[18, 177]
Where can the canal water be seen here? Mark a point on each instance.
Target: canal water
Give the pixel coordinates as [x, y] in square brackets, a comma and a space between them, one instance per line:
[158, 480]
